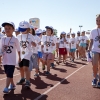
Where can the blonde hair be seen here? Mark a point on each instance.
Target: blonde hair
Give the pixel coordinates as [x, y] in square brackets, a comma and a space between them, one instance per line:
[98, 16]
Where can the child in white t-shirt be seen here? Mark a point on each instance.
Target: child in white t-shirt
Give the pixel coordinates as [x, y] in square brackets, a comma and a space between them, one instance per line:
[10, 45]
[34, 57]
[26, 42]
[73, 46]
[94, 46]
[83, 40]
[62, 48]
[78, 39]
[48, 43]
[1, 35]
[68, 44]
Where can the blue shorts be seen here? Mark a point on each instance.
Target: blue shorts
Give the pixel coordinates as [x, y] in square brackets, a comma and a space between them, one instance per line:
[82, 45]
[72, 50]
[9, 70]
[39, 54]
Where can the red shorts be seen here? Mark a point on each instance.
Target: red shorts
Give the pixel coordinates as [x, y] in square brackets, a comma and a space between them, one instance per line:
[62, 51]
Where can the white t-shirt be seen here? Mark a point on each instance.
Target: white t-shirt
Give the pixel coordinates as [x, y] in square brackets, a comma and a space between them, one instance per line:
[94, 36]
[68, 43]
[37, 40]
[1, 35]
[48, 40]
[73, 42]
[61, 43]
[78, 39]
[55, 38]
[9, 54]
[25, 45]
[83, 39]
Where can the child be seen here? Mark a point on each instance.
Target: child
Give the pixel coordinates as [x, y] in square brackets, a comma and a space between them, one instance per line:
[26, 42]
[1, 35]
[48, 43]
[9, 46]
[62, 48]
[34, 57]
[68, 44]
[73, 46]
[77, 51]
[82, 45]
[94, 46]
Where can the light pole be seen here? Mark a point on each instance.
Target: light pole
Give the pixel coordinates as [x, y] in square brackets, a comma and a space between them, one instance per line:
[80, 27]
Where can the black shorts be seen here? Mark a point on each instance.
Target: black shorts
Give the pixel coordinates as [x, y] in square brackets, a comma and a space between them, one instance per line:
[9, 70]
[24, 62]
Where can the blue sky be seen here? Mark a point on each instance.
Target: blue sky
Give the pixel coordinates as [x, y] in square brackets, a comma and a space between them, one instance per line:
[61, 14]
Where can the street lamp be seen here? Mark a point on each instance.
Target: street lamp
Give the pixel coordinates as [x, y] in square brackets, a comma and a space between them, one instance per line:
[80, 27]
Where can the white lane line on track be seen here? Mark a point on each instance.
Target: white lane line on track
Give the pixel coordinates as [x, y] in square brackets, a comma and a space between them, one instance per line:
[59, 83]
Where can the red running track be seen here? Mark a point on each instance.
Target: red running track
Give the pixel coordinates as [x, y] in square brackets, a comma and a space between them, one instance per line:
[66, 82]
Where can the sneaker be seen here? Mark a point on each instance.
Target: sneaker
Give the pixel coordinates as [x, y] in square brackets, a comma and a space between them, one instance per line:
[43, 67]
[11, 87]
[52, 65]
[94, 82]
[21, 82]
[36, 75]
[27, 84]
[6, 90]
[47, 73]
[98, 85]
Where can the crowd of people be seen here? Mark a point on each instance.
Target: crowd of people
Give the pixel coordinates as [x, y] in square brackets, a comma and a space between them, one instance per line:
[31, 47]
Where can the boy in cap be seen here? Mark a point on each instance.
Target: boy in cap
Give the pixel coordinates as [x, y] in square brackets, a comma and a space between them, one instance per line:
[48, 43]
[26, 42]
[10, 45]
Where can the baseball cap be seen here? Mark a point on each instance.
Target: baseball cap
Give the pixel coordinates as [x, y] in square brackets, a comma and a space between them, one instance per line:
[49, 27]
[63, 32]
[16, 30]
[83, 31]
[44, 31]
[68, 33]
[78, 32]
[73, 33]
[8, 23]
[31, 27]
[3, 31]
[23, 26]
[38, 32]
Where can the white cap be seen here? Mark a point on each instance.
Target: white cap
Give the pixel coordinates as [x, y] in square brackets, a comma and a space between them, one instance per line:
[68, 33]
[63, 32]
[38, 31]
[16, 30]
[83, 31]
[31, 27]
[8, 23]
[44, 31]
[73, 33]
[78, 32]
[49, 27]
[24, 24]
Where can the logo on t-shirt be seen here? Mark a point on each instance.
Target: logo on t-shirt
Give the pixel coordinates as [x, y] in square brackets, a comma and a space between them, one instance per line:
[24, 44]
[8, 49]
[47, 43]
[97, 38]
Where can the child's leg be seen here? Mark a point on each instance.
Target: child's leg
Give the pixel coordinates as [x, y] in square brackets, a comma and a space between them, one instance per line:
[22, 72]
[27, 73]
